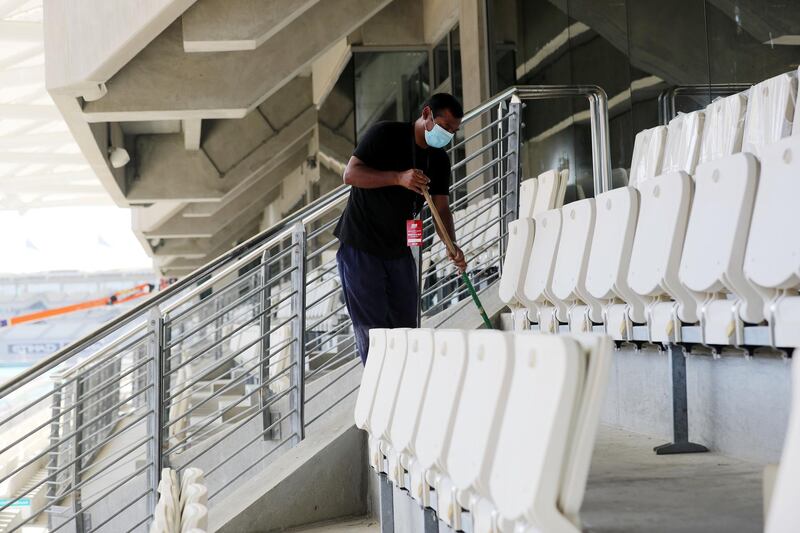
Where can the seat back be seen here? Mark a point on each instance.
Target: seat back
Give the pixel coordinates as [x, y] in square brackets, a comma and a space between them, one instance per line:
[609, 261]
[547, 193]
[518, 251]
[383, 406]
[648, 154]
[477, 418]
[539, 274]
[724, 127]
[682, 149]
[370, 377]
[411, 393]
[527, 197]
[770, 111]
[441, 397]
[531, 445]
[574, 246]
[783, 514]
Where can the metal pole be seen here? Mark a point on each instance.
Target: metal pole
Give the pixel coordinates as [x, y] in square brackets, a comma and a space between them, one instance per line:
[667, 109]
[505, 184]
[77, 447]
[154, 419]
[55, 431]
[297, 398]
[680, 410]
[386, 504]
[264, 323]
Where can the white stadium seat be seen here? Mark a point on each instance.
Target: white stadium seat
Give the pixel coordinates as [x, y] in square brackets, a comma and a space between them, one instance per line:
[770, 110]
[436, 421]
[682, 149]
[609, 262]
[537, 289]
[369, 385]
[772, 259]
[527, 197]
[410, 400]
[385, 399]
[518, 251]
[725, 118]
[580, 309]
[783, 515]
[648, 154]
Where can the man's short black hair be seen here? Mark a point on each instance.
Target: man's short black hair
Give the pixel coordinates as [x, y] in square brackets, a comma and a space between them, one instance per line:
[440, 102]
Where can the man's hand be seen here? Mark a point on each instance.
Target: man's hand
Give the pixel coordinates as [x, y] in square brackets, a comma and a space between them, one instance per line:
[414, 180]
[458, 259]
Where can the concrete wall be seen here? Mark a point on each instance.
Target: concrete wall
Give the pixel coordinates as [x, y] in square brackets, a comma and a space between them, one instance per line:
[738, 407]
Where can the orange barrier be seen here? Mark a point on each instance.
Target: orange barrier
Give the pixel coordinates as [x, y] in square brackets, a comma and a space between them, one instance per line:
[118, 297]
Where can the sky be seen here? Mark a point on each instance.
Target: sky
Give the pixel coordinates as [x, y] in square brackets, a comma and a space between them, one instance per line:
[88, 239]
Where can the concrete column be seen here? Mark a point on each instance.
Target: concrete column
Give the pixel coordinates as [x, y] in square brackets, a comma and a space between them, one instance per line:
[475, 74]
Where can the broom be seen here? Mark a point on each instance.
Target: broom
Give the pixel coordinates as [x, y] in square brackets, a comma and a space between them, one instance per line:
[452, 249]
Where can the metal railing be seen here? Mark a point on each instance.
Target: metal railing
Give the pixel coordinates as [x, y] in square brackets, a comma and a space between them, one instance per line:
[235, 364]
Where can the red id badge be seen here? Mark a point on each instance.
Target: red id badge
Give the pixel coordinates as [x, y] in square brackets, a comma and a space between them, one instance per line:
[414, 232]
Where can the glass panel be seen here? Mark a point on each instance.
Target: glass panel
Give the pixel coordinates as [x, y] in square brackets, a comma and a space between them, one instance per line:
[455, 53]
[441, 63]
[389, 86]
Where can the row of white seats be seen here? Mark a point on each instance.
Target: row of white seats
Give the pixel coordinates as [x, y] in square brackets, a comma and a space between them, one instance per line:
[704, 233]
[182, 506]
[478, 225]
[500, 424]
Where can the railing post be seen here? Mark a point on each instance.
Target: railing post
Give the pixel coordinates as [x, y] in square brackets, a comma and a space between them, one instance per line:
[264, 327]
[155, 404]
[55, 432]
[297, 397]
[77, 449]
[510, 191]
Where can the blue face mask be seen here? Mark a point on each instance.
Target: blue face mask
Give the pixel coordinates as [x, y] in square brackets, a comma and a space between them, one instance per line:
[438, 137]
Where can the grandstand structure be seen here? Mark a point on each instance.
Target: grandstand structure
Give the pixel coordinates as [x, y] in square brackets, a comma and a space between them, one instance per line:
[625, 207]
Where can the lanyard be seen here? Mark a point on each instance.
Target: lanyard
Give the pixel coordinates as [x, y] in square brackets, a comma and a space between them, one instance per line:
[416, 205]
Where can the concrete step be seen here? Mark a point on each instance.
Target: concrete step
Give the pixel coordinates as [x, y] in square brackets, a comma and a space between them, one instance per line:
[362, 525]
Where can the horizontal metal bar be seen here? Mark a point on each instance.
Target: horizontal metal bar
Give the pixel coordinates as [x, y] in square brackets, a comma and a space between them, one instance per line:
[325, 270]
[231, 455]
[485, 247]
[273, 400]
[321, 249]
[125, 508]
[335, 380]
[328, 334]
[213, 416]
[313, 326]
[327, 365]
[480, 190]
[261, 361]
[488, 105]
[472, 216]
[323, 297]
[480, 151]
[243, 472]
[142, 521]
[322, 229]
[331, 406]
[219, 363]
[481, 131]
[105, 349]
[441, 266]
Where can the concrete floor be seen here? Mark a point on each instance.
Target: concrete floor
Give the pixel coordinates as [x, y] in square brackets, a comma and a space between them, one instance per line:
[367, 525]
[632, 489]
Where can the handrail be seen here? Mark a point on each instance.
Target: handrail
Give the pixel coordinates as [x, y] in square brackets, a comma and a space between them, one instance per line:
[602, 176]
[666, 100]
[160, 297]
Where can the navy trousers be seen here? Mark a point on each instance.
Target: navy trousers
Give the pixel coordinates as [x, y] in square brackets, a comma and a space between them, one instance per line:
[379, 293]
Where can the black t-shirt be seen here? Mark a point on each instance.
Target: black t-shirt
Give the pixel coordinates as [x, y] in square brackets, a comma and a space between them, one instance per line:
[374, 220]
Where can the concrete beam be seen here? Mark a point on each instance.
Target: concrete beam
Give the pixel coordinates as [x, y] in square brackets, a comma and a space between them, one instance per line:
[88, 41]
[260, 161]
[163, 82]
[147, 218]
[256, 197]
[398, 24]
[191, 133]
[439, 18]
[229, 25]
[19, 31]
[325, 71]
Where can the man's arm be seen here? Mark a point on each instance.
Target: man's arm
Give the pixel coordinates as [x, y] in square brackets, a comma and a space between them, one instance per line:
[442, 203]
[360, 175]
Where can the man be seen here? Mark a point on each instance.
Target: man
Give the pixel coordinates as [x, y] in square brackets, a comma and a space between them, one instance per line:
[388, 171]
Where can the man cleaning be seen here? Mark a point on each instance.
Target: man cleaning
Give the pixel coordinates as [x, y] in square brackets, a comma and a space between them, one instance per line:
[388, 171]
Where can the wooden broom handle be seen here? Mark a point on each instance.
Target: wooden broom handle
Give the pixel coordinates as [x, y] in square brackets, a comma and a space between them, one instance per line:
[437, 219]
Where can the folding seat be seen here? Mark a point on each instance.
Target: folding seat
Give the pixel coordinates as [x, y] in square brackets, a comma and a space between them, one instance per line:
[783, 515]
[477, 423]
[527, 197]
[195, 516]
[609, 261]
[537, 290]
[436, 420]
[527, 469]
[579, 308]
[658, 242]
[518, 251]
[648, 154]
[383, 405]
[410, 400]
[369, 384]
[716, 236]
[547, 195]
